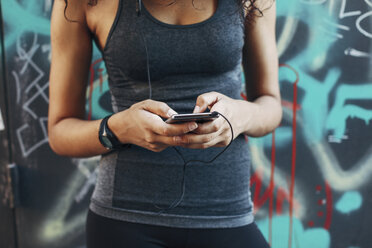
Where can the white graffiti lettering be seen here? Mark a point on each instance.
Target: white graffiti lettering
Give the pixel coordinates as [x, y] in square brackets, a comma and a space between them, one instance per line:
[34, 91]
[26, 148]
[360, 28]
[344, 14]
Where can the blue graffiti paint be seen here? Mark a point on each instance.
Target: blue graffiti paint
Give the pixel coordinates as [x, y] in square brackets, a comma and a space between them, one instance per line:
[97, 111]
[283, 138]
[304, 238]
[350, 201]
[310, 59]
[20, 19]
[315, 110]
[29, 16]
[314, 105]
[342, 111]
[317, 118]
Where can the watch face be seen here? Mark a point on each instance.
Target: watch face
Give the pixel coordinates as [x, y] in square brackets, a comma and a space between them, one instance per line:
[107, 137]
[107, 143]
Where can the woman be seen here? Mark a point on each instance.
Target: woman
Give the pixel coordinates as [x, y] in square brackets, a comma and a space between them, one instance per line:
[164, 57]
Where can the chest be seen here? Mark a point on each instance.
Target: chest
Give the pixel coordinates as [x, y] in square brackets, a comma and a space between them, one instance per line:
[212, 46]
[101, 17]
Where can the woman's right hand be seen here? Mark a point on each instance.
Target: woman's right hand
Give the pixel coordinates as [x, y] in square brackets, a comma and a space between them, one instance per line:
[142, 125]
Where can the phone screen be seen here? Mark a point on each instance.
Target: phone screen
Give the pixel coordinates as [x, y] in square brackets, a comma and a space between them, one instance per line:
[197, 117]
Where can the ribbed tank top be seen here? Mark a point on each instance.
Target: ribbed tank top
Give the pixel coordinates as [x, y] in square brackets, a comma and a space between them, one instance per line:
[185, 61]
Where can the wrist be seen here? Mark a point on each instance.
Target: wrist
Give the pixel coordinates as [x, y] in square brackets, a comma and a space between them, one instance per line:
[261, 116]
[116, 123]
[108, 138]
[245, 111]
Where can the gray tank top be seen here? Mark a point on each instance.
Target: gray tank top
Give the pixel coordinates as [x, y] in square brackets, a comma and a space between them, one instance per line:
[185, 61]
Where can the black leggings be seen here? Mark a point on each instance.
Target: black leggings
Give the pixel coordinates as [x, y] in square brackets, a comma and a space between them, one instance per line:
[102, 232]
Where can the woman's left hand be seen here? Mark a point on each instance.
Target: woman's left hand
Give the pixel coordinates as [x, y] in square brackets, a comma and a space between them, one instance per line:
[217, 132]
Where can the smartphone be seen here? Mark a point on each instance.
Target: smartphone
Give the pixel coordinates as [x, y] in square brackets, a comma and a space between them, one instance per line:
[197, 117]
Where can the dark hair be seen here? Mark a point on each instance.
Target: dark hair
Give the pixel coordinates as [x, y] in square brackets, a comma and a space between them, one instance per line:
[251, 9]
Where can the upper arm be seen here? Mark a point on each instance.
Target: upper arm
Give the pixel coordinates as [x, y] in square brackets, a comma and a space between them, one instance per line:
[71, 44]
[260, 58]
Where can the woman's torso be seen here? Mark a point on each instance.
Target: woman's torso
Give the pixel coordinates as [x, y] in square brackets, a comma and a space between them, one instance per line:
[201, 55]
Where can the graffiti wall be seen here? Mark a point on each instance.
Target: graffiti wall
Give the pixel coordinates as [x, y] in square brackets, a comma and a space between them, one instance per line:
[7, 220]
[313, 175]
[311, 179]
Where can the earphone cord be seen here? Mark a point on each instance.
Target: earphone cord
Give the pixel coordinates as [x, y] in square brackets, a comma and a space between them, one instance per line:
[178, 201]
[147, 64]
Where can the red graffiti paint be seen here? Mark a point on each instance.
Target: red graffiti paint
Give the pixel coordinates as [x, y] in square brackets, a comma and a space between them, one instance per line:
[91, 81]
[329, 201]
[100, 74]
[261, 196]
[293, 163]
[259, 199]
[281, 195]
[318, 188]
[289, 105]
[243, 95]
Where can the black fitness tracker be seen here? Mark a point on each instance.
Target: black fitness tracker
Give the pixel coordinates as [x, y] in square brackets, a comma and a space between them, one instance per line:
[107, 137]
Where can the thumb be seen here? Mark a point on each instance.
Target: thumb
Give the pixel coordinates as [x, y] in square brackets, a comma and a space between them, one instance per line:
[206, 100]
[158, 108]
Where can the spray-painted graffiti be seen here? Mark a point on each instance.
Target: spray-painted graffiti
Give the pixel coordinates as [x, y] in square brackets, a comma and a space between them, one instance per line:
[350, 201]
[58, 226]
[25, 16]
[334, 108]
[310, 177]
[25, 40]
[28, 95]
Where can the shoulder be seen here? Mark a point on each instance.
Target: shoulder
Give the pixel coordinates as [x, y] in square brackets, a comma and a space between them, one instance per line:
[72, 10]
[69, 31]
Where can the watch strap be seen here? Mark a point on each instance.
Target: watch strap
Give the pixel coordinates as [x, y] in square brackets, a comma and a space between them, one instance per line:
[104, 130]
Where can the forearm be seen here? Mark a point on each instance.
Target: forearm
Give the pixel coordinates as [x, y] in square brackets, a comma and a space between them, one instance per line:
[259, 117]
[74, 137]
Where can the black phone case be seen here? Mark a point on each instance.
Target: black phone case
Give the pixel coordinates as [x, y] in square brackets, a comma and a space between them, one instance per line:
[201, 119]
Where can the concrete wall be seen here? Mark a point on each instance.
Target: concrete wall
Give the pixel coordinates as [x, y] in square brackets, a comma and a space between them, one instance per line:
[311, 179]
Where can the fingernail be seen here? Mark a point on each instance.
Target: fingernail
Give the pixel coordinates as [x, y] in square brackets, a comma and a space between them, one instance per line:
[193, 126]
[171, 112]
[196, 109]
